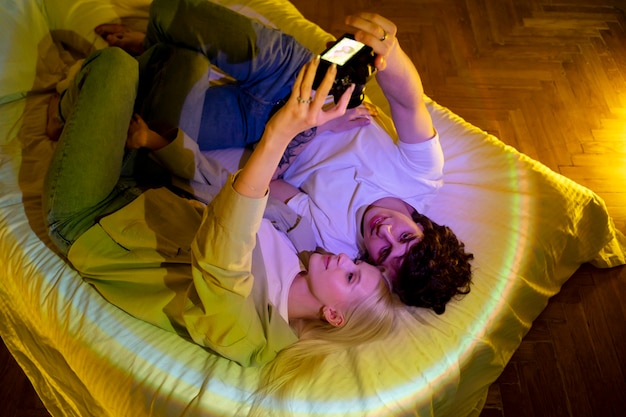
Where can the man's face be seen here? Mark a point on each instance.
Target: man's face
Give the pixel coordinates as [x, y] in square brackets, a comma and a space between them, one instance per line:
[389, 232]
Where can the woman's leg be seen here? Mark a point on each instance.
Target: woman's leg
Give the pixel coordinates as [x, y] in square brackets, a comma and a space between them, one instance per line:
[82, 182]
[264, 61]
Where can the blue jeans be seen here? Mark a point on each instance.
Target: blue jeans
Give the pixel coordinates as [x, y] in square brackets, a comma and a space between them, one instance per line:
[182, 39]
[92, 174]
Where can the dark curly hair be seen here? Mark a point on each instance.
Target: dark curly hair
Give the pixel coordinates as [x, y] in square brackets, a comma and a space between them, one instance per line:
[435, 269]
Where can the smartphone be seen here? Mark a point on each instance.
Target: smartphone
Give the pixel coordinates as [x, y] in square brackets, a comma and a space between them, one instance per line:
[343, 50]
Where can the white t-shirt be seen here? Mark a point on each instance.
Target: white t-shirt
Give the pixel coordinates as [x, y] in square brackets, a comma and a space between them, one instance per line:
[281, 265]
[340, 174]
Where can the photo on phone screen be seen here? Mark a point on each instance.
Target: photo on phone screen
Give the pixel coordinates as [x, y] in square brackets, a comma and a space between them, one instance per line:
[342, 51]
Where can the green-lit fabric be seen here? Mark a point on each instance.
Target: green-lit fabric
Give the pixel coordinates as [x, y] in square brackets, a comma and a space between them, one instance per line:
[199, 275]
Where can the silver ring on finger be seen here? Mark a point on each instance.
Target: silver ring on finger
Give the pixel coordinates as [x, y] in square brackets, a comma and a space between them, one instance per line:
[303, 101]
[382, 39]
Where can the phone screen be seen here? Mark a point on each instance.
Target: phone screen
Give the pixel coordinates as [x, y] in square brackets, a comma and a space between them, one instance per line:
[342, 51]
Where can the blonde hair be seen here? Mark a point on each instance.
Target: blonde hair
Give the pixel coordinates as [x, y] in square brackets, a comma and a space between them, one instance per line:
[369, 320]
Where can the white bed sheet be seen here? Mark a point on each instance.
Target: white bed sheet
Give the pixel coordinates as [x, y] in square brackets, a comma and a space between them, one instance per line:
[528, 228]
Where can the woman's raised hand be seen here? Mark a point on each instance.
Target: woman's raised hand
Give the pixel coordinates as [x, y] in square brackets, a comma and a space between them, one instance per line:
[304, 109]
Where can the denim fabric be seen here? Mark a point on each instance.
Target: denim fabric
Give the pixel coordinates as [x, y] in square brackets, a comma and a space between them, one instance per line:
[83, 180]
[91, 173]
[264, 61]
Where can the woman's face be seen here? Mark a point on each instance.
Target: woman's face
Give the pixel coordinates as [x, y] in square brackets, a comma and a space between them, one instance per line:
[388, 233]
[337, 281]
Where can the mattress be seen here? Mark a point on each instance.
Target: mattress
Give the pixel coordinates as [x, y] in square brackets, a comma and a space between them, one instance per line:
[528, 228]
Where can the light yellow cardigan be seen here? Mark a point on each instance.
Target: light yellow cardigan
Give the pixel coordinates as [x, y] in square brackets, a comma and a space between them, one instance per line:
[188, 268]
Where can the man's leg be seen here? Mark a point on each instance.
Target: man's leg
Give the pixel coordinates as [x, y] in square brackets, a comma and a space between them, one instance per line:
[83, 178]
[264, 62]
[172, 86]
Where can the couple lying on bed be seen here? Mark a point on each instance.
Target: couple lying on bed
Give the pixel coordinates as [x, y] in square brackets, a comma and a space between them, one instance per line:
[219, 273]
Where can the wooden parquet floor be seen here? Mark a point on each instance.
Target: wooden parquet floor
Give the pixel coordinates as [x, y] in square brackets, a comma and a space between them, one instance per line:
[549, 78]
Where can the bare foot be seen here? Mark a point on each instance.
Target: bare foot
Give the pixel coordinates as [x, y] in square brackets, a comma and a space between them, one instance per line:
[122, 36]
[54, 125]
[141, 136]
